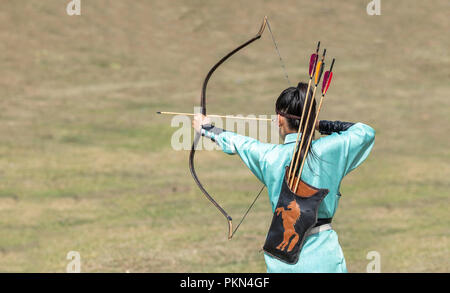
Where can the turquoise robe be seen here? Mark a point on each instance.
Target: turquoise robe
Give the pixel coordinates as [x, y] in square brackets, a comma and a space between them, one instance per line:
[338, 154]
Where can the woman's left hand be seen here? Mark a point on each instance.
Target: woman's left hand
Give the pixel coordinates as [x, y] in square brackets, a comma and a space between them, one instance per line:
[198, 121]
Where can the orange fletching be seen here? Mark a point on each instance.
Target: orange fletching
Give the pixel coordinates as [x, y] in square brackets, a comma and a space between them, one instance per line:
[318, 71]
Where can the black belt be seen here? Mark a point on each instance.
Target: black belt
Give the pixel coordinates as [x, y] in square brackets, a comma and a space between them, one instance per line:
[323, 221]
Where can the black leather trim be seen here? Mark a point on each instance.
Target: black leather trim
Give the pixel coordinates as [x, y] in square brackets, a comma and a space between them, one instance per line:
[323, 221]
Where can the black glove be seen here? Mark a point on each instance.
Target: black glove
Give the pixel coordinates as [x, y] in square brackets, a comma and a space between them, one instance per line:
[328, 127]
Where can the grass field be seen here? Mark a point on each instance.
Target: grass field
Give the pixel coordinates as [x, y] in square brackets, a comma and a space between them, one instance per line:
[86, 165]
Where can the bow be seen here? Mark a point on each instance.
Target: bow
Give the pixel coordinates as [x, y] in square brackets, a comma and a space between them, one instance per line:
[203, 109]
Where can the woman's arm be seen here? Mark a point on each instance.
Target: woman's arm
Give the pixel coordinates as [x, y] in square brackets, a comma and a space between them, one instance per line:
[348, 145]
[250, 150]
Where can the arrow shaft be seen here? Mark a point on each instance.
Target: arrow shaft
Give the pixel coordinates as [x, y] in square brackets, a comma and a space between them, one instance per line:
[291, 183]
[299, 128]
[307, 146]
[217, 116]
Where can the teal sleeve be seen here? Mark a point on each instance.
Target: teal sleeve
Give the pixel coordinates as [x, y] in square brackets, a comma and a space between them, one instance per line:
[251, 151]
[360, 140]
[351, 147]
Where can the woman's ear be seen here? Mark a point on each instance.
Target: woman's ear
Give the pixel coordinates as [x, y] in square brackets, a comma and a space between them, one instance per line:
[280, 120]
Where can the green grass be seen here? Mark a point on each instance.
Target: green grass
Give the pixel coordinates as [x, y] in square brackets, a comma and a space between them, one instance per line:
[86, 165]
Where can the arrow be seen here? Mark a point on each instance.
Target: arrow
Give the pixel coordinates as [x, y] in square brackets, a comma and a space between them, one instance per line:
[317, 77]
[312, 66]
[216, 116]
[325, 86]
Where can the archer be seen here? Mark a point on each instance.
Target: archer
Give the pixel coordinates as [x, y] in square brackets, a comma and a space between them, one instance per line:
[294, 171]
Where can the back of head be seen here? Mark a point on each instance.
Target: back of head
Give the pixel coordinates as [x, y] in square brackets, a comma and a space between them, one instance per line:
[292, 101]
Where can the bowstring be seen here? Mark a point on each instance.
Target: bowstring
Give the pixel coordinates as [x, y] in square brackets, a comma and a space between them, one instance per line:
[289, 82]
[279, 55]
[248, 210]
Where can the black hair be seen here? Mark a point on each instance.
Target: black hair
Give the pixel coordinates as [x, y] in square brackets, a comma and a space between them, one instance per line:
[291, 101]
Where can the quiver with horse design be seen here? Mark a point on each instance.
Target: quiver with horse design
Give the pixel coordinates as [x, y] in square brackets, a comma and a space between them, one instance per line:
[294, 216]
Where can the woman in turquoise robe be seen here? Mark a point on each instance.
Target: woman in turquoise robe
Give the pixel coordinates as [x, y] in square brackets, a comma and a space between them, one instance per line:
[335, 155]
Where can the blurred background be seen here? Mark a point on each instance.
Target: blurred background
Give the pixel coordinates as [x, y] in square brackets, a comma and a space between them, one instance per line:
[87, 166]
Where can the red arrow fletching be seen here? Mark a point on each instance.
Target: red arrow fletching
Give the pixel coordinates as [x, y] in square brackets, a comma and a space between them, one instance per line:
[326, 81]
[312, 63]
